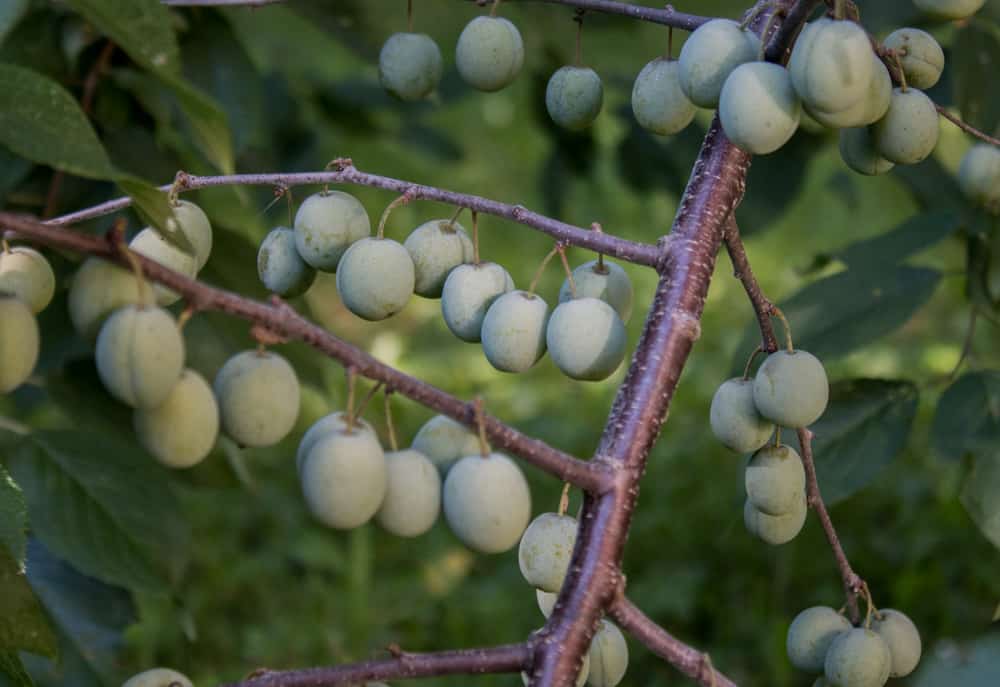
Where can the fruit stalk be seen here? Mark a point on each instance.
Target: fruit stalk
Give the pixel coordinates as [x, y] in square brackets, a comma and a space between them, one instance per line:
[762, 306]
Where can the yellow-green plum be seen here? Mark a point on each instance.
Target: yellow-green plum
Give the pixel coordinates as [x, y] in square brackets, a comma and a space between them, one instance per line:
[605, 280]
[280, 267]
[949, 9]
[775, 480]
[150, 244]
[344, 478]
[99, 288]
[902, 638]
[468, 293]
[545, 549]
[181, 431]
[710, 54]
[436, 248]
[326, 224]
[376, 278]
[734, 418]
[546, 601]
[775, 529]
[322, 427]
[909, 130]
[608, 656]
[413, 494]
[586, 339]
[858, 658]
[791, 388]
[258, 394]
[869, 109]
[140, 355]
[487, 502]
[758, 107]
[831, 64]
[444, 441]
[514, 331]
[920, 56]
[574, 96]
[581, 677]
[410, 66]
[811, 634]
[658, 101]
[19, 343]
[158, 677]
[490, 53]
[190, 221]
[979, 176]
[857, 150]
[26, 274]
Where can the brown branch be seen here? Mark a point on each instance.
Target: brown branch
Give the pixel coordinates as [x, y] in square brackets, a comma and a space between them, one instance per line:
[967, 128]
[853, 584]
[284, 321]
[742, 271]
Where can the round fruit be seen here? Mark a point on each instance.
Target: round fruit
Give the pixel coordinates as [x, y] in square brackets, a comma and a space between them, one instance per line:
[468, 293]
[150, 244]
[258, 395]
[26, 274]
[412, 496]
[280, 267]
[950, 9]
[410, 66]
[98, 289]
[811, 634]
[19, 343]
[775, 480]
[609, 282]
[581, 677]
[514, 331]
[831, 64]
[866, 111]
[574, 97]
[181, 431]
[775, 529]
[658, 101]
[791, 389]
[436, 248]
[490, 53]
[444, 441]
[734, 417]
[325, 425]
[545, 550]
[708, 56]
[344, 478]
[190, 221]
[979, 176]
[909, 130]
[758, 107]
[858, 658]
[487, 502]
[140, 355]
[376, 278]
[919, 54]
[546, 602]
[586, 339]
[326, 224]
[902, 638]
[858, 151]
[158, 677]
[608, 656]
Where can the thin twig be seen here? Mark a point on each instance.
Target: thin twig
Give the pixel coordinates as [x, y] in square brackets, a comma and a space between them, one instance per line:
[970, 335]
[742, 271]
[967, 128]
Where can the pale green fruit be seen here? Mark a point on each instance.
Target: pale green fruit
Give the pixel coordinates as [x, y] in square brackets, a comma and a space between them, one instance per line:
[140, 355]
[858, 152]
[468, 293]
[811, 634]
[437, 247]
[658, 101]
[410, 66]
[609, 282]
[758, 107]
[775, 529]
[514, 331]
[344, 478]
[376, 278]
[26, 274]
[158, 677]
[545, 550]
[190, 221]
[581, 677]
[150, 244]
[19, 343]
[858, 658]
[487, 502]
[444, 441]
[181, 431]
[979, 176]
[791, 389]
[326, 224]
[866, 111]
[546, 601]
[734, 418]
[490, 53]
[412, 496]
[574, 97]
[608, 656]
[333, 422]
[258, 394]
[586, 339]
[831, 64]
[909, 131]
[949, 9]
[99, 288]
[919, 54]
[902, 638]
[710, 54]
[775, 480]
[280, 267]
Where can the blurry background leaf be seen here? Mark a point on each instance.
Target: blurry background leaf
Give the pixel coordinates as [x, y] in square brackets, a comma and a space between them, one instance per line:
[969, 664]
[10, 13]
[12, 672]
[981, 495]
[976, 52]
[896, 245]
[967, 418]
[143, 29]
[13, 516]
[23, 625]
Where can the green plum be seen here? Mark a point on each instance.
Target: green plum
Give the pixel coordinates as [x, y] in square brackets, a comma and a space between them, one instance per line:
[376, 278]
[758, 107]
[19, 343]
[468, 292]
[902, 638]
[513, 333]
[574, 97]
[410, 66]
[545, 550]
[259, 396]
[858, 658]
[150, 244]
[791, 388]
[586, 339]
[99, 288]
[949, 9]
[857, 149]
[608, 656]
[811, 634]
[920, 56]
[437, 247]
[26, 274]
[710, 54]
[490, 53]
[979, 176]
[280, 267]
[190, 221]
[658, 101]
[158, 677]
[326, 224]
[607, 281]
[412, 496]
[775, 529]
[908, 132]
[831, 64]
[734, 418]
[181, 431]
[444, 441]
[487, 502]
[344, 478]
[775, 480]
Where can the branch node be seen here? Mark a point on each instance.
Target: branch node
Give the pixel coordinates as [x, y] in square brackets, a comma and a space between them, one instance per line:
[340, 164]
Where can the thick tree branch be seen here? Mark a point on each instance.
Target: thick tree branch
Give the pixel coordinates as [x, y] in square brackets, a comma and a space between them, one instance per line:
[345, 173]
[742, 271]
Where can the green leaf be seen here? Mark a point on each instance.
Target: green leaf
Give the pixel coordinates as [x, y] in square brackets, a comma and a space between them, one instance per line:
[863, 430]
[23, 624]
[912, 236]
[116, 520]
[975, 62]
[975, 664]
[153, 206]
[142, 28]
[12, 669]
[13, 517]
[209, 122]
[968, 415]
[11, 12]
[981, 495]
[41, 121]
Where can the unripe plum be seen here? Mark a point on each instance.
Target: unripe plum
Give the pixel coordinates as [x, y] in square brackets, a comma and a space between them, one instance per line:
[150, 244]
[344, 478]
[444, 441]
[190, 221]
[775, 529]
[909, 130]
[949, 9]
[658, 101]
[775, 480]
[413, 494]
[869, 109]
[734, 418]
[791, 388]
[545, 550]
[514, 331]
[609, 282]
[608, 656]
[858, 658]
[258, 394]
[98, 289]
[437, 247]
[811, 634]
[831, 64]
[26, 274]
[710, 54]
[979, 176]
[280, 267]
[490, 53]
[140, 355]
[902, 638]
[326, 424]
[574, 97]
[19, 343]
[581, 677]
[181, 431]
[376, 278]
[857, 149]
[487, 502]
[920, 56]
[758, 107]
[468, 293]
[586, 339]
[410, 66]
[326, 224]
[158, 677]
[546, 601]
